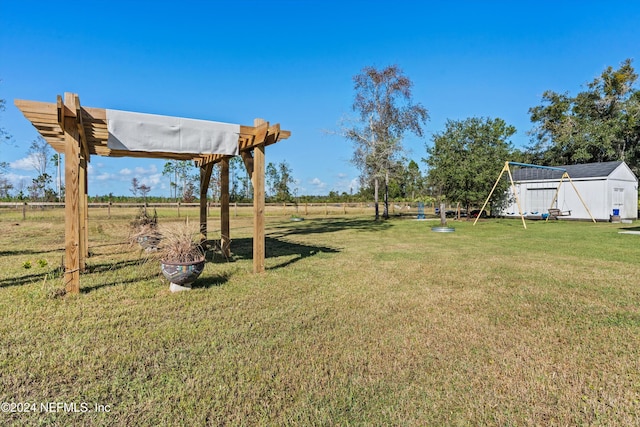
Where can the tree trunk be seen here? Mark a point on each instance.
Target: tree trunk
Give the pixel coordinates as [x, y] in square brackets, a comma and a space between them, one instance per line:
[375, 197]
[386, 195]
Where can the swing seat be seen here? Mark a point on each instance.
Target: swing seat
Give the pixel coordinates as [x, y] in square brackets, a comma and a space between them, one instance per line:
[555, 213]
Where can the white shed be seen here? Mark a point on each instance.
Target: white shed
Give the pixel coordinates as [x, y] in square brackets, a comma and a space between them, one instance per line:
[606, 188]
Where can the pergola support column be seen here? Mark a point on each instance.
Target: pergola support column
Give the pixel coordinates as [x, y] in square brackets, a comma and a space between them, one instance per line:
[225, 238]
[72, 233]
[257, 179]
[205, 178]
[83, 208]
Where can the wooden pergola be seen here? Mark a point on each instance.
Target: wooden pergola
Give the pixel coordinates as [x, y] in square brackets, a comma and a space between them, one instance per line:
[79, 132]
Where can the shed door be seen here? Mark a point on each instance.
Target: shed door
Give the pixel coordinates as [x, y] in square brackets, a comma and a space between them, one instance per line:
[618, 198]
[539, 199]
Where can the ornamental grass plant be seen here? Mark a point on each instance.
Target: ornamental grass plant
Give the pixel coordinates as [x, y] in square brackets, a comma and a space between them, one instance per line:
[179, 243]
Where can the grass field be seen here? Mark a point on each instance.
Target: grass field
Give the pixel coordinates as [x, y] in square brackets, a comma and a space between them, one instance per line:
[355, 322]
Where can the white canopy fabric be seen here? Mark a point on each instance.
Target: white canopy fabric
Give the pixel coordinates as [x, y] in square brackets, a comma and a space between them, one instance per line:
[155, 133]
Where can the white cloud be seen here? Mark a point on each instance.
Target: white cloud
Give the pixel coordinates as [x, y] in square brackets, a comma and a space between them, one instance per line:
[125, 171]
[15, 179]
[151, 180]
[316, 182]
[346, 185]
[152, 169]
[25, 164]
[104, 177]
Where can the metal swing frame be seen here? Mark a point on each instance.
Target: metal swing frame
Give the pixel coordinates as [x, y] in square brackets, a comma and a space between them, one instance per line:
[507, 169]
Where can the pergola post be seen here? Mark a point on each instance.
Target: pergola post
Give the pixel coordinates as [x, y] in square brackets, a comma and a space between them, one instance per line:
[205, 178]
[225, 238]
[83, 205]
[72, 196]
[257, 178]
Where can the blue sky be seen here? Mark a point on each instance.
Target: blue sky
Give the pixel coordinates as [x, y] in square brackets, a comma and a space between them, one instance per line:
[293, 62]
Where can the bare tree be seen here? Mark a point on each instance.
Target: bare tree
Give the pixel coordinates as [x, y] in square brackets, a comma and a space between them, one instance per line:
[39, 156]
[56, 159]
[144, 190]
[386, 112]
[4, 135]
[5, 187]
[135, 187]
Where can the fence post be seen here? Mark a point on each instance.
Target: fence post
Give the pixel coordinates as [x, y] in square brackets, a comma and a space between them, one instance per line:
[24, 210]
[109, 210]
[306, 208]
[178, 209]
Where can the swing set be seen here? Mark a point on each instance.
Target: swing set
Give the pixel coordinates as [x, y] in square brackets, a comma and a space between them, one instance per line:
[552, 212]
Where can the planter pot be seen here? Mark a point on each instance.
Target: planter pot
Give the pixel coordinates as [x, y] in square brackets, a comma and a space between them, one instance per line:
[181, 274]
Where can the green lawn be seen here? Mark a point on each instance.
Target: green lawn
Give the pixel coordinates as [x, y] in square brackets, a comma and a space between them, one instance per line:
[355, 322]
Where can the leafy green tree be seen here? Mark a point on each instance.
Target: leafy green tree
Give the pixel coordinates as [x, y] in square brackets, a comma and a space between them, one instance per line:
[465, 160]
[414, 181]
[178, 173]
[239, 181]
[386, 113]
[279, 179]
[38, 188]
[601, 123]
[170, 171]
[5, 185]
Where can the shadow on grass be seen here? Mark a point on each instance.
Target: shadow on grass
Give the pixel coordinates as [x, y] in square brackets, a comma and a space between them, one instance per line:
[210, 282]
[30, 252]
[112, 266]
[28, 279]
[328, 225]
[202, 282]
[243, 249]
[91, 288]
[630, 228]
